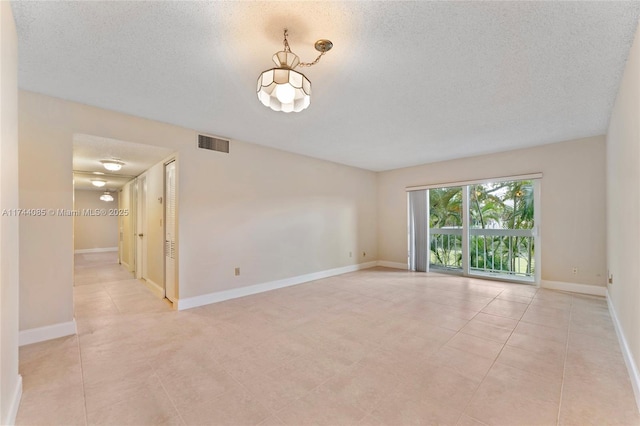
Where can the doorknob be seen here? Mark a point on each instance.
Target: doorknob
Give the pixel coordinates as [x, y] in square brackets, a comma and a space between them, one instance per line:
[140, 235]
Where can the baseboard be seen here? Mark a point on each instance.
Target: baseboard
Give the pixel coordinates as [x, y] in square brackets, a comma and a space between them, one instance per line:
[95, 250]
[592, 290]
[220, 296]
[394, 265]
[40, 334]
[632, 368]
[154, 287]
[12, 413]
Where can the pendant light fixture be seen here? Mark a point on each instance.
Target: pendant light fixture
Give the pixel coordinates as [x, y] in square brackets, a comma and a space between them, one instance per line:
[112, 165]
[106, 197]
[283, 88]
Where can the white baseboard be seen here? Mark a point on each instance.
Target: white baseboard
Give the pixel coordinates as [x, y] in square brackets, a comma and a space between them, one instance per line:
[220, 296]
[96, 250]
[632, 368]
[394, 265]
[592, 290]
[40, 334]
[155, 288]
[14, 404]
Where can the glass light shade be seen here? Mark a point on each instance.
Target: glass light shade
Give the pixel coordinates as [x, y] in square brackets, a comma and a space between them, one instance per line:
[112, 165]
[294, 96]
[98, 182]
[106, 197]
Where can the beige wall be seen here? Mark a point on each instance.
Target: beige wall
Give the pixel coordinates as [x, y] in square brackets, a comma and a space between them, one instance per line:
[271, 213]
[9, 379]
[623, 203]
[94, 232]
[572, 202]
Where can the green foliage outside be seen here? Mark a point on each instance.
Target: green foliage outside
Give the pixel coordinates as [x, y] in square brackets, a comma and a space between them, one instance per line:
[503, 205]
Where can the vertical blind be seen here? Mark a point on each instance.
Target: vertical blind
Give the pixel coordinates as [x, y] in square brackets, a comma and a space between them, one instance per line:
[418, 231]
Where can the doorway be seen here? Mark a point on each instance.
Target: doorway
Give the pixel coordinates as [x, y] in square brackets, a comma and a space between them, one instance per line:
[138, 189]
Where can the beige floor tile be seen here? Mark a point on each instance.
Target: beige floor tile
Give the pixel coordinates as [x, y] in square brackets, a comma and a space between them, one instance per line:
[112, 389]
[551, 317]
[321, 407]
[514, 298]
[509, 396]
[400, 411]
[597, 397]
[475, 345]
[370, 420]
[486, 331]
[151, 407]
[505, 308]
[544, 347]
[468, 421]
[236, 407]
[466, 364]
[438, 384]
[553, 295]
[192, 381]
[536, 330]
[271, 421]
[362, 386]
[55, 405]
[373, 347]
[546, 364]
[496, 320]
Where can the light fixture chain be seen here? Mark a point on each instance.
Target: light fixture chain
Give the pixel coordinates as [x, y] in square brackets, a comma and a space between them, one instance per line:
[310, 64]
[285, 41]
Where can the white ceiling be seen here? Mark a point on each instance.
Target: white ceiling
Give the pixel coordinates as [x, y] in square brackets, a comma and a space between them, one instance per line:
[406, 83]
[88, 150]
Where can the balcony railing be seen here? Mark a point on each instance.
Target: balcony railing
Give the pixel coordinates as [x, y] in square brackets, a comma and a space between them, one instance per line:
[506, 252]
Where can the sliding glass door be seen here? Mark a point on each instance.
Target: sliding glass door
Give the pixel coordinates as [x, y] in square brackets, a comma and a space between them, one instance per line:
[479, 229]
[501, 230]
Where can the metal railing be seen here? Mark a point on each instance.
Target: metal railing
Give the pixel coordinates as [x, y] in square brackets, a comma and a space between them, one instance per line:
[507, 252]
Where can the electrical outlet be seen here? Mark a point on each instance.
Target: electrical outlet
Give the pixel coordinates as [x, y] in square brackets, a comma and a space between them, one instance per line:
[610, 279]
[574, 270]
[350, 254]
[237, 271]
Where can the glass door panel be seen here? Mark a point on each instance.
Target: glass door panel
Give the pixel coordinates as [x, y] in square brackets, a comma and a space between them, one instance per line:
[501, 230]
[445, 229]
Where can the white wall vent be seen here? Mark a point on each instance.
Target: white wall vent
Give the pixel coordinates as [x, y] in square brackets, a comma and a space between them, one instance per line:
[213, 144]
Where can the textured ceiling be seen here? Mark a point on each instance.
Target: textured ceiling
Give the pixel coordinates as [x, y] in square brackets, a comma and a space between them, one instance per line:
[406, 83]
[89, 150]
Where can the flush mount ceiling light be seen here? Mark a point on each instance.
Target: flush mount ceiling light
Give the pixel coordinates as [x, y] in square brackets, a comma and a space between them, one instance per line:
[106, 197]
[284, 89]
[112, 165]
[98, 182]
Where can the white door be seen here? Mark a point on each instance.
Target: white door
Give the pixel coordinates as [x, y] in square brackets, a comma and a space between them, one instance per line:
[141, 229]
[170, 231]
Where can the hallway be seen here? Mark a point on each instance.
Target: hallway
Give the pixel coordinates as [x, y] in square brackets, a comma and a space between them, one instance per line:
[373, 347]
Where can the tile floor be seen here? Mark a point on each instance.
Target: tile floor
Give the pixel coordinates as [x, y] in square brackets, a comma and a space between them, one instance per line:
[375, 347]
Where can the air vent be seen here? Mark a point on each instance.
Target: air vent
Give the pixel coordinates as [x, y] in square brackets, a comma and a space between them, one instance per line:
[213, 144]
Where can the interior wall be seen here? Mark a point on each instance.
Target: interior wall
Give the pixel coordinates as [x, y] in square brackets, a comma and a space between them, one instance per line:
[271, 213]
[572, 203]
[99, 231]
[623, 204]
[9, 378]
